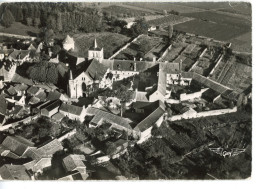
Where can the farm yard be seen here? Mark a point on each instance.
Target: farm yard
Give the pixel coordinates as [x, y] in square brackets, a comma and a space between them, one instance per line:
[233, 74]
[146, 46]
[111, 42]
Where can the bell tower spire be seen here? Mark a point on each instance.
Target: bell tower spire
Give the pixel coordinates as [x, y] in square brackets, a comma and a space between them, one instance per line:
[95, 44]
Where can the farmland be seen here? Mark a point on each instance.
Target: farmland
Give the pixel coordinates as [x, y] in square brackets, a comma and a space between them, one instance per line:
[165, 6]
[212, 30]
[111, 42]
[171, 19]
[242, 43]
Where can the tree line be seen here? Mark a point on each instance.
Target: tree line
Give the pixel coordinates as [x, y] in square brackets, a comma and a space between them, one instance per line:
[56, 16]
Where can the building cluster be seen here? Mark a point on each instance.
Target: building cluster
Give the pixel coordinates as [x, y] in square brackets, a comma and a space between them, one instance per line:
[154, 85]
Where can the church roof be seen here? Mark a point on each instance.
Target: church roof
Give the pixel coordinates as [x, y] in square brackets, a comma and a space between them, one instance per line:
[94, 69]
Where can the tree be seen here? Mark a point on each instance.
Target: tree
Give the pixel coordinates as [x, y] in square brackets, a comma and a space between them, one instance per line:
[56, 49]
[29, 21]
[117, 29]
[170, 31]
[36, 22]
[140, 27]
[19, 15]
[7, 18]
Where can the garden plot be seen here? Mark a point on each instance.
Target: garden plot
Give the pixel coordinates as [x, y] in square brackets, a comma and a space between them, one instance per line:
[233, 74]
[140, 48]
[206, 63]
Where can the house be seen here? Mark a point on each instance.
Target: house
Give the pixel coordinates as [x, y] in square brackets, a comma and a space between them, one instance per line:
[73, 112]
[14, 172]
[144, 128]
[20, 89]
[68, 43]
[53, 95]
[4, 152]
[100, 117]
[39, 165]
[18, 145]
[58, 117]
[19, 56]
[51, 109]
[5, 53]
[33, 90]
[18, 100]
[75, 162]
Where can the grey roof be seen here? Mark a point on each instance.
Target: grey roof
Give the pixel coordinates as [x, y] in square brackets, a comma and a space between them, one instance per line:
[100, 115]
[20, 87]
[53, 95]
[3, 105]
[73, 161]
[33, 90]
[128, 65]
[71, 109]
[151, 119]
[53, 105]
[17, 144]
[170, 68]
[14, 172]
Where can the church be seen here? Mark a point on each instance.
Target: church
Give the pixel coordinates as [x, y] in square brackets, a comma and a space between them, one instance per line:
[101, 73]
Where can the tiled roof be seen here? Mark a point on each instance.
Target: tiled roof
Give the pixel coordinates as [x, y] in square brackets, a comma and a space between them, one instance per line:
[41, 95]
[53, 95]
[100, 115]
[128, 65]
[3, 105]
[33, 90]
[50, 148]
[11, 90]
[72, 162]
[151, 119]
[71, 109]
[19, 54]
[94, 69]
[58, 116]
[20, 87]
[14, 172]
[17, 144]
[170, 68]
[19, 79]
[53, 105]
[68, 40]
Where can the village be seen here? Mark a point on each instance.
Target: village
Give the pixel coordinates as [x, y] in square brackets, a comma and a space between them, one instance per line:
[102, 108]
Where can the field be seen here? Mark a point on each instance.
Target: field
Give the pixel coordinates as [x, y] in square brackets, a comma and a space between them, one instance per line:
[171, 19]
[242, 43]
[234, 7]
[212, 30]
[111, 42]
[20, 29]
[165, 6]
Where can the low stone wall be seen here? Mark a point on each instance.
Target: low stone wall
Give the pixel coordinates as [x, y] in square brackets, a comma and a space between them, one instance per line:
[25, 121]
[204, 114]
[165, 53]
[67, 135]
[198, 94]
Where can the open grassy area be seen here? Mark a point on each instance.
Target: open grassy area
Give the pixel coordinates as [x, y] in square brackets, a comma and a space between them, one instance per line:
[111, 42]
[20, 29]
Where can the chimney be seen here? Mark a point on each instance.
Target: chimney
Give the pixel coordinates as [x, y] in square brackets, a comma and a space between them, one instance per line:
[71, 78]
[135, 66]
[134, 59]
[180, 66]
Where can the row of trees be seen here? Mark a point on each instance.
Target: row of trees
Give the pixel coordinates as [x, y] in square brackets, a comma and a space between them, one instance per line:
[56, 16]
